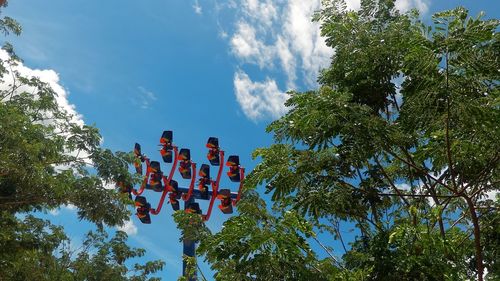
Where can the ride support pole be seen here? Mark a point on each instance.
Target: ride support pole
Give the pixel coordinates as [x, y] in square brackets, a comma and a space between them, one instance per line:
[188, 249]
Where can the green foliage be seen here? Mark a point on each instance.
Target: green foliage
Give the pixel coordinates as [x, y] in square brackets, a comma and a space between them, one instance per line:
[37, 169]
[191, 269]
[7, 24]
[401, 139]
[411, 252]
[259, 246]
[47, 160]
[491, 238]
[191, 226]
[37, 250]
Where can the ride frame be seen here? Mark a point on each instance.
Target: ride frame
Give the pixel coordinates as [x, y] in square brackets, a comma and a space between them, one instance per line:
[154, 176]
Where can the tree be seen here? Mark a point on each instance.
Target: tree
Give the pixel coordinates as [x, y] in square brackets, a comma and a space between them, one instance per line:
[259, 246]
[34, 249]
[401, 138]
[47, 160]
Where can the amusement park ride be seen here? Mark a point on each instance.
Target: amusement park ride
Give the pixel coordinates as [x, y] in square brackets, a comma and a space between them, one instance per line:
[155, 180]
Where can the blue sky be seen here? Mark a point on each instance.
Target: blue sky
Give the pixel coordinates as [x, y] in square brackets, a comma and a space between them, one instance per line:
[199, 68]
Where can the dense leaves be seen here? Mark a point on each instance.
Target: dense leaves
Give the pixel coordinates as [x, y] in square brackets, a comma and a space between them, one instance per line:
[34, 249]
[49, 159]
[258, 246]
[400, 140]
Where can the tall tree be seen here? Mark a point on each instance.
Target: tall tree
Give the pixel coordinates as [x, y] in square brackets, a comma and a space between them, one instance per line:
[401, 139]
[47, 160]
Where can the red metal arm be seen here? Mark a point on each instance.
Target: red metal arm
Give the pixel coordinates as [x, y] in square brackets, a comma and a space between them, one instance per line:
[242, 179]
[160, 204]
[166, 184]
[215, 187]
[186, 197]
[145, 181]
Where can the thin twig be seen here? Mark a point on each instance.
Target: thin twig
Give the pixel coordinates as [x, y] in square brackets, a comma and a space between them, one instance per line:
[327, 251]
[391, 182]
[420, 170]
[457, 221]
[199, 269]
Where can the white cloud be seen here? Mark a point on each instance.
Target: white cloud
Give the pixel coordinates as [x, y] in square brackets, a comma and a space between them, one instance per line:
[197, 8]
[280, 34]
[490, 195]
[69, 207]
[274, 34]
[265, 11]
[353, 4]
[223, 34]
[248, 48]
[145, 97]
[403, 186]
[288, 60]
[48, 76]
[129, 227]
[272, 31]
[109, 185]
[56, 211]
[305, 39]
[406, 5]
[258, 100]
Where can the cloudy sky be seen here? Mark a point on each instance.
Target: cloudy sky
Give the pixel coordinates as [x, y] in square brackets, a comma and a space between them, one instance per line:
[198, 67]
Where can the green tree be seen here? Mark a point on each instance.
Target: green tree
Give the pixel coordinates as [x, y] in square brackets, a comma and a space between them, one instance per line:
[401, 138]
[34, 249]
[48, 160]
[259, 246]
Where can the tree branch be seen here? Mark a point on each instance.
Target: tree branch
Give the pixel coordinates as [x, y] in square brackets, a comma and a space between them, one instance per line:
[421, 171]
[391, 182]
[327, 251]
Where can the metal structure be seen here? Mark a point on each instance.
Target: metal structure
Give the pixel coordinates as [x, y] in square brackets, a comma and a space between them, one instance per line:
[208, 189]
